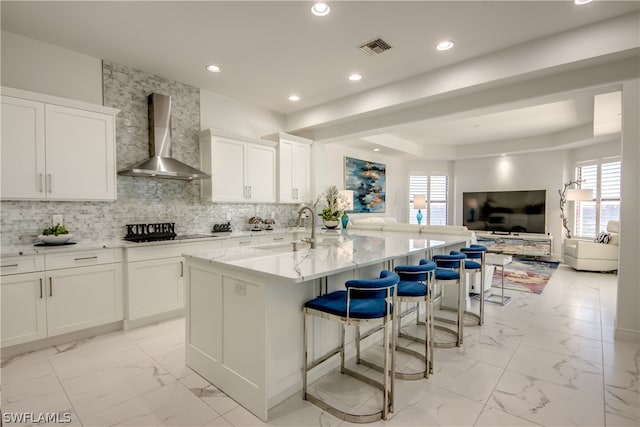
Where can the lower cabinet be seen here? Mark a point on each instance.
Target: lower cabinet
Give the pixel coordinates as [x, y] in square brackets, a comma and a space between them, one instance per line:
[83, 297]
[155, 286]
[76, 291]
[155, 278]
[24, 308]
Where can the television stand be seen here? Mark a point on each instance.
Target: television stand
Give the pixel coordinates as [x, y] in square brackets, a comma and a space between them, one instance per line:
[521, 244]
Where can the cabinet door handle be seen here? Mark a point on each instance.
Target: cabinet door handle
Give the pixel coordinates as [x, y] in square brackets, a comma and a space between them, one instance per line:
[40, 288]
[50, 185]
[181, 268]
[249, 191]
[278, 238]
[246, 242]
[86, 258]
[9, 266]
[40, 183]
[50, 286]
[245, 192]
[293, 193]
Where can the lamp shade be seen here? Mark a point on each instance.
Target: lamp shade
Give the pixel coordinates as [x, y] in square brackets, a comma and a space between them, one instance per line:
[347, 199]
[419, 201]
[579, 194]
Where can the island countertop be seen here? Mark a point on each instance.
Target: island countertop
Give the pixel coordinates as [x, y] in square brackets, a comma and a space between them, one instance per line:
[335, 252]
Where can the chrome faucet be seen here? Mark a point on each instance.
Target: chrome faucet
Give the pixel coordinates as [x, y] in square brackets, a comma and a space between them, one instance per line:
[312, 241]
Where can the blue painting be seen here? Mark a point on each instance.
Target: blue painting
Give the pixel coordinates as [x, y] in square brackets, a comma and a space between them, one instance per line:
[367, 180]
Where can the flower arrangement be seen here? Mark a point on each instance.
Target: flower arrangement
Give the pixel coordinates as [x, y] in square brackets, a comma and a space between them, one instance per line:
[333, 204]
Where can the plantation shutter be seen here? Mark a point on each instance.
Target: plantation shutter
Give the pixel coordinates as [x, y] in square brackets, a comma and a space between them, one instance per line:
[610, 174]
[438, 200]
[435, 189]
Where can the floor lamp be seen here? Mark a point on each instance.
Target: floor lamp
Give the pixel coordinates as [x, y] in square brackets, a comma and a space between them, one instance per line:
[572, 194]
[419, 202]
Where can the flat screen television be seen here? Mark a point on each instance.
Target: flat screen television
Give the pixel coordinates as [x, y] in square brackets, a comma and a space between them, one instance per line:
[505, 211]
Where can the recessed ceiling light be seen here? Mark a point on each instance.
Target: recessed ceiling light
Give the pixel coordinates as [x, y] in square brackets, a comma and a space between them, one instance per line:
[444, 45]
[581, 2]
[355, 77]
[294, 98]
[320, 8]
[213, 68]
[376, 149]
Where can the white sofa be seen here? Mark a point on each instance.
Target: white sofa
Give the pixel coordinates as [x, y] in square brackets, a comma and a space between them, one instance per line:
[381, 223]
[591, 256]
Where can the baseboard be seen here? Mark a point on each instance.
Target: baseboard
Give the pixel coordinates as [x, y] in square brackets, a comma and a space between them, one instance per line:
[622, 334]
[27, 347]
[131, 324]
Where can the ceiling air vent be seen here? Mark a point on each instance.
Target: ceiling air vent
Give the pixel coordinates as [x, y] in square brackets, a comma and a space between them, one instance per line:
[375, 47]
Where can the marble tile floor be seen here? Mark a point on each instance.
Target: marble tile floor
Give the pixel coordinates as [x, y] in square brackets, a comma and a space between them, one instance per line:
[545, 359]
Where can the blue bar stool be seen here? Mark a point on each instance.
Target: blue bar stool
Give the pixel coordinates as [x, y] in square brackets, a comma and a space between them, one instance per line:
[364, 302]
[450, 270]
[476, 263]
[415, 286]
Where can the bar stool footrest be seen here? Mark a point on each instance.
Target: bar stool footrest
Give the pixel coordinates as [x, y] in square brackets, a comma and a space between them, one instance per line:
[345, 416]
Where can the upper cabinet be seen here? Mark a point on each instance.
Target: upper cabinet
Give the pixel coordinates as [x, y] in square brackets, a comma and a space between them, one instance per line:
[242, 169]
[56, 149]
[294, 169]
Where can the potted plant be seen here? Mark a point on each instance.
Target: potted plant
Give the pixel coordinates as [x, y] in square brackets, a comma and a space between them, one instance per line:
[333, 207]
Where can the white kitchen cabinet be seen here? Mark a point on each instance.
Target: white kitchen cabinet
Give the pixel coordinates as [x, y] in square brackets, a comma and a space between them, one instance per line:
[56, 149]
[242, 169]
[155, 286]
[155, 278]
[83, 297]
[294, 169]
[24, 310]
[23, 149]
[59, 292]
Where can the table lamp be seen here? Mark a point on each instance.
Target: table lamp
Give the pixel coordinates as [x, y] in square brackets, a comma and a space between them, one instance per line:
[419, 203]
[346, 197]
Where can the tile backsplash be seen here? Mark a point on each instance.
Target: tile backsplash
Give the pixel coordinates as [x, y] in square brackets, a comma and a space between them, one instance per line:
[140, 199]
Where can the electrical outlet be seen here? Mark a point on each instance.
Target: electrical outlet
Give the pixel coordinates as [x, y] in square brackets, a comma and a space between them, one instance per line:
[56, 219]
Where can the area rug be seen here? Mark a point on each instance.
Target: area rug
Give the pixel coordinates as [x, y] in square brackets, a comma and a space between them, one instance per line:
[525, 275]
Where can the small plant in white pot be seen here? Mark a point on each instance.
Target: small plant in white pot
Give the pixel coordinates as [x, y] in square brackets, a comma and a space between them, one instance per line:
[333, 207]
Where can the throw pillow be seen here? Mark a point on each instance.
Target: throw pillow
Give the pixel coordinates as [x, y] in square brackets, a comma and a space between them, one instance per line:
[603, 237]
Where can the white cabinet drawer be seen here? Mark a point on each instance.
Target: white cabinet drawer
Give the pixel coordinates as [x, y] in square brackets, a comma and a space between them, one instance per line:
[21, 264]
[82, 258]
[171, 250]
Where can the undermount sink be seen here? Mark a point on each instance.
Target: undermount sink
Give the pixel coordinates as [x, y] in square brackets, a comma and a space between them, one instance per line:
[288, 247]
[280, 247]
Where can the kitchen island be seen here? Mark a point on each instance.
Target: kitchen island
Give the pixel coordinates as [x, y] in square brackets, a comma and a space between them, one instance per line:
[244, 306]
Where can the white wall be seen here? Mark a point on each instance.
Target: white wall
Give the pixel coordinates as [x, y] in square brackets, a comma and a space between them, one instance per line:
[220, 112]
[535, 171]
[628, 307]
[35, 66]
[328, 169]
[596, 151]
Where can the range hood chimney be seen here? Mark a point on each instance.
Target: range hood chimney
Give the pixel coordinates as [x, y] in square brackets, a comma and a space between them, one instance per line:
[160, 164]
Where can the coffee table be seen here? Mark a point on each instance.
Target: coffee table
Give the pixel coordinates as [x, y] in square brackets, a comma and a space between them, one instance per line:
[499, 260]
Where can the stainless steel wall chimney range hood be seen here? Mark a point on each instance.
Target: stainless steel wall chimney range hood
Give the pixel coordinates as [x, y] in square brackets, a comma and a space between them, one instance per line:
[160, 164]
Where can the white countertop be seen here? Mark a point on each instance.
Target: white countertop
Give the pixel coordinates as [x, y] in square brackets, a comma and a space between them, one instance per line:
[335, 252]
[84, 244]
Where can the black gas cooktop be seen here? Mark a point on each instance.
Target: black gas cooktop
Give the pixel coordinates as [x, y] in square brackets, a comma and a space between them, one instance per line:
[156, 232]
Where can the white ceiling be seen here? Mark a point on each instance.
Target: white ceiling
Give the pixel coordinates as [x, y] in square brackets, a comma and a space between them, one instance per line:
[268, 50]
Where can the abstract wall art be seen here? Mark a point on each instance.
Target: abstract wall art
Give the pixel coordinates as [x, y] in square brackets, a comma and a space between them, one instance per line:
[367, 180]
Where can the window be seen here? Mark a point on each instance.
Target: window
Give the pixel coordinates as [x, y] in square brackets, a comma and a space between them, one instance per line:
[435, 188]
[603, 177]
